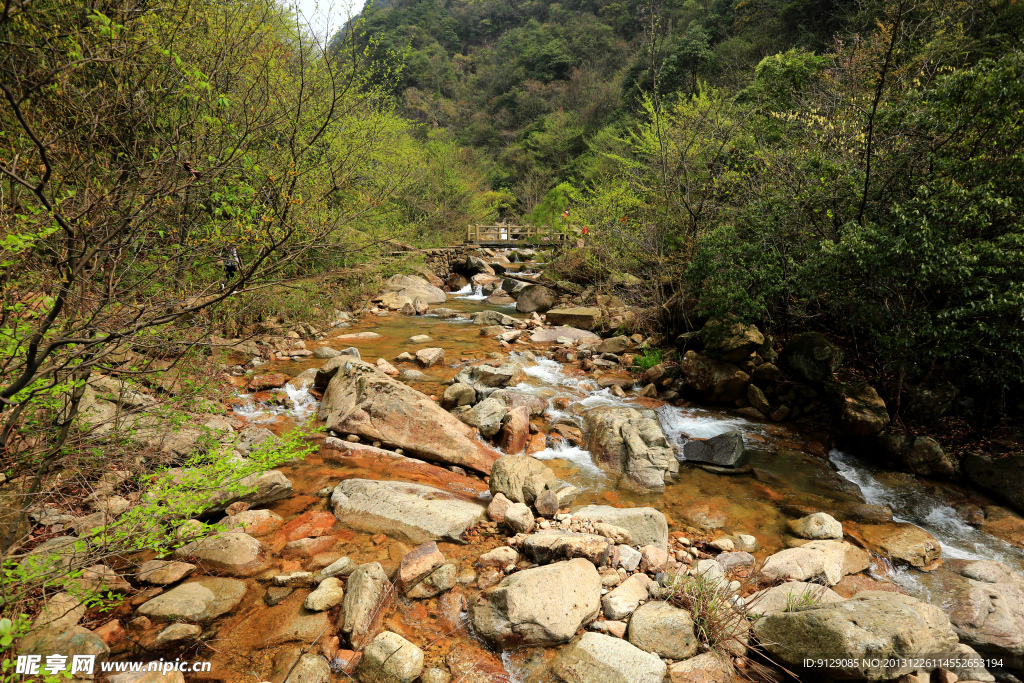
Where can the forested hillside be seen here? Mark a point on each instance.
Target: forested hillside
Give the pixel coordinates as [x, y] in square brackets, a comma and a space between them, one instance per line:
[850, 167]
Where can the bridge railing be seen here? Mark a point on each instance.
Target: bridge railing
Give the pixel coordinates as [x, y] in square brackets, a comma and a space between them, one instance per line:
[513, 233]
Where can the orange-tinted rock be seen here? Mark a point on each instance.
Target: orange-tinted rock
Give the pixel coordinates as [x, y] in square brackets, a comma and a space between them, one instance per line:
[515, 431]
[309, 524]
[538, 442]
[329, 647]
[383, 464]
[349, 660]
[114, 635]
[264, 382]
[418, 564]
[850, 585]
[307, 547]
[450, 607]
[470, 663]
[364, 401]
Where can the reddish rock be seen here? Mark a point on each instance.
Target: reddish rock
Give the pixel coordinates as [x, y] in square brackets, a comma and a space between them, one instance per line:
[349, 660]
[497, 508]
[417, 565]
[450, 607]
[307, 547]
[390, 465]
[114, 635]
[653, 559]
[264, 382]
[470, 663]
[538, 443]
[236, 507]
[515, 431]
[329, 647]
[308, 525]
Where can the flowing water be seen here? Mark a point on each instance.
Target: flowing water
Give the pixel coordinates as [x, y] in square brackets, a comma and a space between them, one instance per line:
[789, 465]
[792, 469]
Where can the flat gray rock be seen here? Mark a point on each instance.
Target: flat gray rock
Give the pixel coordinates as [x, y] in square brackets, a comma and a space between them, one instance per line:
[597, 657]
[646, 526]
[412, 512]
[200, 600]
[550, 334]
[164, 572]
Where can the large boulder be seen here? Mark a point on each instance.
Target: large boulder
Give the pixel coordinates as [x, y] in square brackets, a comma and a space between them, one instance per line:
[874, 634]
[587, 318]
[630, 442]
[267, 487]
[818, 526]
[471, 265]
[723, 450]
[920, 454]
[201, 600]
[646, 526]
[521, 478]
[812, 357]
[76, 641]
[412, 286]
[1002, 475]
[825, 561]
[730, 340]
[487, 318]
[862, 411]
[362, 400]
[412, 512]
[540, 606]
[713, 380]
[598, 658]
[984, 600]
[535, 298]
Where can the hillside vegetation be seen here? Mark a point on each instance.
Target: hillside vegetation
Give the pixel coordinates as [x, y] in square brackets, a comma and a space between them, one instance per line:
[847, 167]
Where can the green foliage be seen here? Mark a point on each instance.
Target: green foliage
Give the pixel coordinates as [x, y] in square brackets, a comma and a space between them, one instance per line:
[780, 79]
[808, 597]
[551, 211]
[650, 358]
[933, 276]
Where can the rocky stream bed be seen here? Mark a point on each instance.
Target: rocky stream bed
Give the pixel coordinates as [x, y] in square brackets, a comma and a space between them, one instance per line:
[496, 498]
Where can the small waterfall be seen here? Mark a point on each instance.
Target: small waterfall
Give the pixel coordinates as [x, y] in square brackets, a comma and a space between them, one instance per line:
[915, 505]
[471, 292]
[682, 425]
[563, 450]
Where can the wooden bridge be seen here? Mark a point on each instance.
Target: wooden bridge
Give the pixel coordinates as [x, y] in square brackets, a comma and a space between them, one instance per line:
[516, 235]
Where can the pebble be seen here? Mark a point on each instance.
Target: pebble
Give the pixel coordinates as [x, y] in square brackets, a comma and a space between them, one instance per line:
[724, 545]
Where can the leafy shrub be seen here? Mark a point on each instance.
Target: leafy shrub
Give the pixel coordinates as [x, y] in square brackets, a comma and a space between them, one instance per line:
[649, 359]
